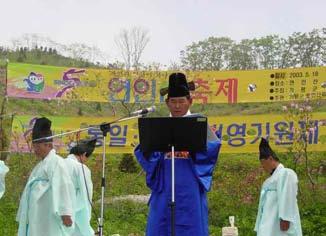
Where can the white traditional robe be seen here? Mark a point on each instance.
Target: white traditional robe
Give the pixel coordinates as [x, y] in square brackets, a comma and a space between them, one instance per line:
[81, 176]
[46, 197]
[278, 200]
[3, 171]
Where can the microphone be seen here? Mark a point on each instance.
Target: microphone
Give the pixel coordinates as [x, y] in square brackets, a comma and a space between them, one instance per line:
[144, 111]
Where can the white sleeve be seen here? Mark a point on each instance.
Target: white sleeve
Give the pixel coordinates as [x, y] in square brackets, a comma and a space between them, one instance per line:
[287, 188]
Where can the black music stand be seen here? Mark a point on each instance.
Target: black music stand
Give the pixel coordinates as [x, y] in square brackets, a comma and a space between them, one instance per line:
[166, 134]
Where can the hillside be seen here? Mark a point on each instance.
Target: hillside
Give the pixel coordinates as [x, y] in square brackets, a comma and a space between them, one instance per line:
[236, 185]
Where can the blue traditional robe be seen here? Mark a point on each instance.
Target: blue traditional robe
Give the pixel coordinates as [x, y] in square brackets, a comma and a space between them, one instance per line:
[278, 200]
[46, 197]
[193, 178]
[3, 171]
[82, 196]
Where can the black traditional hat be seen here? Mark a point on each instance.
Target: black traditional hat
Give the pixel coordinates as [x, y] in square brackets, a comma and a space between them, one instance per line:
[42, 130]
[84, 146]
[177, 80]
[178, 86]
[265, 150]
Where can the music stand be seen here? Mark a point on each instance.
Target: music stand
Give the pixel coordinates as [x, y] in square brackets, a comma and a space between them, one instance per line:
[166, 134]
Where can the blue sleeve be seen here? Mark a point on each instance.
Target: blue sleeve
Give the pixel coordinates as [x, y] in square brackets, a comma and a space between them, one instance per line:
[205, 162]
[153, 167]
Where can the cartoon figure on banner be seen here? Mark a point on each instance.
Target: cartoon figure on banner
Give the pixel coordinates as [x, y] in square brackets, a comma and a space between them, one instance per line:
[34, 82]
[70, 82]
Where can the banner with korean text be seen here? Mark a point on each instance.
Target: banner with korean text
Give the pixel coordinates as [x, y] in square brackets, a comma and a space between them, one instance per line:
[240, 134]
[101, 85]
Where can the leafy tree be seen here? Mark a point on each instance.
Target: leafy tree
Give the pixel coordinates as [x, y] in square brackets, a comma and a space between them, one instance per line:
[242, 56]
[268, 52]
[210, 54]
[308, 49]
[128, 164]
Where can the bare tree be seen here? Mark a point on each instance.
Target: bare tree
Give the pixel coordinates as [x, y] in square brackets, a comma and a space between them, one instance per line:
[95, 54]
[140, 40]
[174, 66]
[84, 52]
[79, 51]
[123, 42]
[152, 66]
[131, 44]
[32, 40]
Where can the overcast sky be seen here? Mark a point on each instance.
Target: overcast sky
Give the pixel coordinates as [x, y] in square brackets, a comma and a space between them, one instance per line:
[172, 24]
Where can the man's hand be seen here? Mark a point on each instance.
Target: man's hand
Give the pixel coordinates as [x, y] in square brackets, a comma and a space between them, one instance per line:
[284, 225]
[66, 220]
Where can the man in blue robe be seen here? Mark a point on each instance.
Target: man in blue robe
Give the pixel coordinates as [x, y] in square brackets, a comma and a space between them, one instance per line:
[81, 178]
[3, 171]
[193, 176]
[45, 206]
[278, 212]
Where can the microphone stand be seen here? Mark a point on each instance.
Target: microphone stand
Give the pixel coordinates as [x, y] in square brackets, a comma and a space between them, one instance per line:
[172, 203]
[105, 128]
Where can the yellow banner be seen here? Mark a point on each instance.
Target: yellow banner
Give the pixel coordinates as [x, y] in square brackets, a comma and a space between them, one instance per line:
[50, 82]
[240, 134]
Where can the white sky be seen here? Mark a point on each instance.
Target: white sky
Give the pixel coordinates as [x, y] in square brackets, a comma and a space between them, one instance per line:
[172, 24]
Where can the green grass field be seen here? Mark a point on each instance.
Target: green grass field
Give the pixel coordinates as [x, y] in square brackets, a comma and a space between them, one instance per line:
[235, 191]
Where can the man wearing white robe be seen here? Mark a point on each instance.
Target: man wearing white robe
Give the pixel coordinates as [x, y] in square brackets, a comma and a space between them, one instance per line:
[278, 212]
[45, 206]
[83, 186]
[3, 171]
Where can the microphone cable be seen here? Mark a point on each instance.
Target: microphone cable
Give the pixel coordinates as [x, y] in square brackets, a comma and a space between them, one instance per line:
[87, 191]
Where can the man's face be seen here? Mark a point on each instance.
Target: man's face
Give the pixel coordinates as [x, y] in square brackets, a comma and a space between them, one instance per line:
[267, 164]
[41, 150]
[178, 106]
